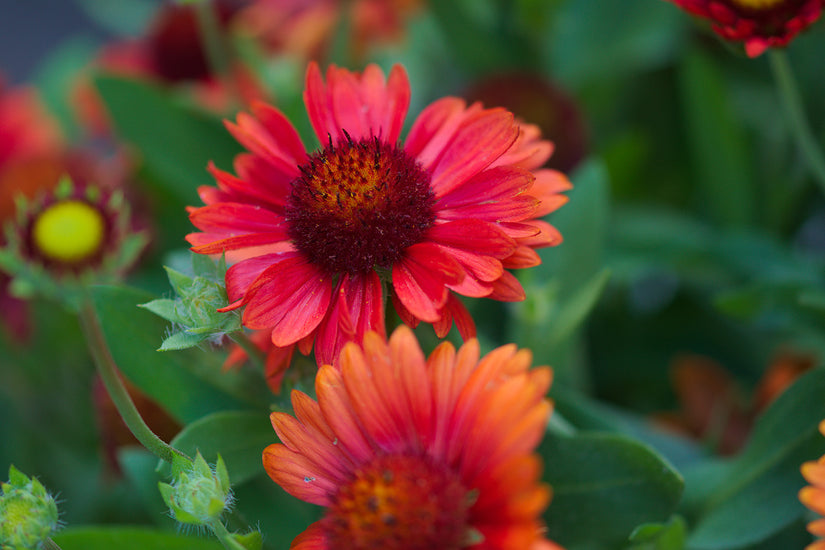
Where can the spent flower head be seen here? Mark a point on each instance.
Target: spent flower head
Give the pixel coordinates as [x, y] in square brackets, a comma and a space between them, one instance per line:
[67, 238]
[28, 513]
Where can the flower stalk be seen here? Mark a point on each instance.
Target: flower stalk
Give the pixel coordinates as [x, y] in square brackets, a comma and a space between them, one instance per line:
[792, 103]
[107, 369]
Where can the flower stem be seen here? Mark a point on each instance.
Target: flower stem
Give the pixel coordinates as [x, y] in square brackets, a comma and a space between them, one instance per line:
[107, 369]
[211, 38]
[49, 544]
[253, 352]
[223, 535]
[792, 102]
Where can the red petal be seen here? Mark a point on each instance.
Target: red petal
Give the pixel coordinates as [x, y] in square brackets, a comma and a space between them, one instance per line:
[507, 289]
[420, 278]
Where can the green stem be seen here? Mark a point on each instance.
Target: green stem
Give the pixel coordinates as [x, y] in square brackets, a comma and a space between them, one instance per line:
[108, 371]
[792, 103]
[224, 536]
[211, 38]
[253, 352]
[49, 544]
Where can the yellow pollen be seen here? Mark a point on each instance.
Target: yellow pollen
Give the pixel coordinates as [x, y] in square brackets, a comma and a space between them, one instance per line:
[757, 5]
[69, 231]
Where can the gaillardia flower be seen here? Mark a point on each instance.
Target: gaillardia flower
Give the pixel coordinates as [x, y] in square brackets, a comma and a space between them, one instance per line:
[760, 24]
[409, 453]
[67, 238]
[813, 496]
[321, 238]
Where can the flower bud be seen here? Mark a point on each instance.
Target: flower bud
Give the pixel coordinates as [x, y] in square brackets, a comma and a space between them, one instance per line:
[198, 495]
[28, 514]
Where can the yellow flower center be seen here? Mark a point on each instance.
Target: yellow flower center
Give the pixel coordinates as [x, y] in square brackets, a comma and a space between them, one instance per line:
[399, 503]
[69, 231]
[757, 5]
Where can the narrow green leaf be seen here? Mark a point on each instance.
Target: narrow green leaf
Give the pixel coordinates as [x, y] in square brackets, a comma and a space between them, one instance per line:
[604, 485]
[183, 340]
[129, 538]
[175, 140]
[758, 496]
[166, 308]
[659, 536]
[717, 143]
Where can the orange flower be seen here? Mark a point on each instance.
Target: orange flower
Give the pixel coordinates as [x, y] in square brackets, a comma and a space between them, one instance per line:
[760, 24]
[813, 496]
[406, 452]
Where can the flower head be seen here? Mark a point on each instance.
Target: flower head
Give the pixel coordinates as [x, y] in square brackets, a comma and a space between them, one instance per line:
[760, 24]
[406, 452]
[813, 496]
[70, 236]
[321, 238]
[28, 513]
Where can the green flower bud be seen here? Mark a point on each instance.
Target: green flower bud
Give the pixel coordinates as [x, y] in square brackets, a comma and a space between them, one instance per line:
[28, 514]
[198, 495]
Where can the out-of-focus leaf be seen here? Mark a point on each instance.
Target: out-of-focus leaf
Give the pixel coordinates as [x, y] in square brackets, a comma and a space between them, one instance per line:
[175, 140]
[757, 497]
[238, 436]
[139, 467]
[659, 536]
[188, 383]
[717, 143]
[130, 538]
[604, 485]
[647, 37]
[590, 415]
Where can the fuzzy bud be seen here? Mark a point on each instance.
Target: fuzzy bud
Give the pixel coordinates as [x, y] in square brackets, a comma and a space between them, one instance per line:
[198, 495]
[28, 514]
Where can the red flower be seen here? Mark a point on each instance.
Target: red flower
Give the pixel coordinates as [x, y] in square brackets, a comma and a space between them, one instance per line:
[406, 452]
[320, 238]
[760, 24]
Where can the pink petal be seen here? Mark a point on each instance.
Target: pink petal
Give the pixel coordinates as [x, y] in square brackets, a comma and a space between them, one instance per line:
[491, 185]
[290, 297]
[318, 105]
[234, 243]
[298, 475]
[241, 275]
[359, 307]
[434, 127]
[272, 138]
[338, 411]
[479, 140]
[420, 277]
[507, 289]
[233, 218]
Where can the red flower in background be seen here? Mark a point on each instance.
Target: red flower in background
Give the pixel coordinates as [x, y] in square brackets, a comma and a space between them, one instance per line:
[30, 150]
[321, 238]
[760, 24]
[813, 496]
[411, 453]
[305, 27]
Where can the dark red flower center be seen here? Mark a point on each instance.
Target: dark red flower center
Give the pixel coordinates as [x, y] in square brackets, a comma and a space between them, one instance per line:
[399, 503]
[358, 205]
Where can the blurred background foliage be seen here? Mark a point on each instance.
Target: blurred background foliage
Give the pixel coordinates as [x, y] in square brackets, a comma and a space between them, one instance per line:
[687, 296]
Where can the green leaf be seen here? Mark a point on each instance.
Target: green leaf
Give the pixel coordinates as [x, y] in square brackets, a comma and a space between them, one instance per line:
[175, 140]
[139, 467]
[166, 308]
[239, 437]
[604, 485]
[183, 340]
[186, 383]
[647, 37]
[756, 495]
[129, 538]
[659, 536]
[717, 143]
